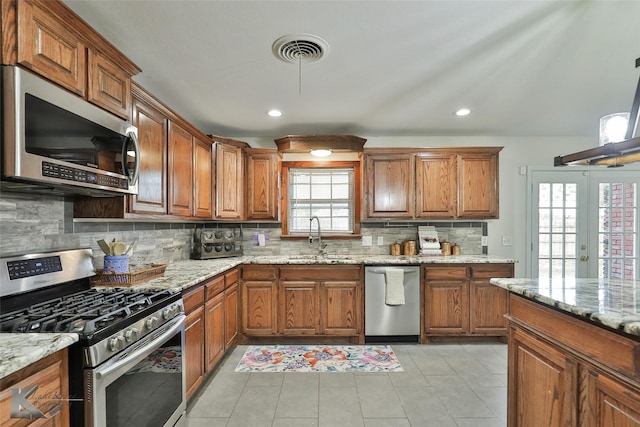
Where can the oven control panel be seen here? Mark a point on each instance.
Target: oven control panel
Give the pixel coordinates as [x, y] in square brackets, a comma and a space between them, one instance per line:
[22, 268]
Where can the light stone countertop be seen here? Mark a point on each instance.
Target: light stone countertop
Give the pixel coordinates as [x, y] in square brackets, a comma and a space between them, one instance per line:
[614, 304]
[19, 350]
[184, 274]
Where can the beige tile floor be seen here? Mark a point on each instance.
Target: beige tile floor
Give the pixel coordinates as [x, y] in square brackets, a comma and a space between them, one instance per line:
[443, 385]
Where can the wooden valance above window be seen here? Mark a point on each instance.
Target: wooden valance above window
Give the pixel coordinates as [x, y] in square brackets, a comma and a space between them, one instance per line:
[305, 143]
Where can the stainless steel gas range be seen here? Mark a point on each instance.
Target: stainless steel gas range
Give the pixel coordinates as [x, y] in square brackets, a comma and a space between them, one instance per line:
[127, 368]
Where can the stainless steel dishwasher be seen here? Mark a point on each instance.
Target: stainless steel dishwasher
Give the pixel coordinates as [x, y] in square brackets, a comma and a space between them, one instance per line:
[382, 321]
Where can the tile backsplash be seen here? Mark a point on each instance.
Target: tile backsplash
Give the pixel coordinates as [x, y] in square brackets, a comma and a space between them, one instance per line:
[36, 223]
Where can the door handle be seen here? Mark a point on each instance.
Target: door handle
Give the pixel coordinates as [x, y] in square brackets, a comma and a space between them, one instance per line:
[584, 258]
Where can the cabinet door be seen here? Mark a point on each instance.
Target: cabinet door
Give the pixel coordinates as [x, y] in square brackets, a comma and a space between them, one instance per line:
[390, 184]
[447, 307]
[214, 330]
[109, 85]
[194, 350]
[202, 178]
[543, 383]
[229, 182]
[50, 377]
[340, 309]
[299, 308]
[262, 184]
[152, 139]
[259, 301]
[231, 301]
[49, 48]
[488, 304]
[180, 170]
[436, 195]
[611, 403]
[478, 185]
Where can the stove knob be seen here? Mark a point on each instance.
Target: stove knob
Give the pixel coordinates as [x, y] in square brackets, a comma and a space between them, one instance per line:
[116, 343]
[131, 335]
[171, 312]
[151, 322]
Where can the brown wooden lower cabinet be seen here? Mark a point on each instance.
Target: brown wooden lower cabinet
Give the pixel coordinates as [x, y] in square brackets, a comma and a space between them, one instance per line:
[543, 395]
[50, 375]
[565, 371]
[302, 301]
[211, 327]
[214, 324]
[460, 301]
[231, 314]
[194, 337]
[341, 301]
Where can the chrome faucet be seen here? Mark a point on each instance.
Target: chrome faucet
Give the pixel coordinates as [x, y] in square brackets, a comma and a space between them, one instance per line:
[320, 245]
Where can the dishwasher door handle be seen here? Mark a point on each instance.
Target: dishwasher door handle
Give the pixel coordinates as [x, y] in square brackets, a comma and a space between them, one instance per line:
[384, 271]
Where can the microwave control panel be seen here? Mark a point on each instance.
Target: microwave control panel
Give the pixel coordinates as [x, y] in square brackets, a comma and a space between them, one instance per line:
[72, 174]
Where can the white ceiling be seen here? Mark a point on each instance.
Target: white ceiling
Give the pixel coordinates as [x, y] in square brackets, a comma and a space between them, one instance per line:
[525, 68]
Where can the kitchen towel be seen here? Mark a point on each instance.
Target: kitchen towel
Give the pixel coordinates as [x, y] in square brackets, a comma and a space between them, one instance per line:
[394, 289]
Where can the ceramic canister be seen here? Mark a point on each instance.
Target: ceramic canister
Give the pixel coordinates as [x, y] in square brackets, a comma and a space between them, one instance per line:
[446, 248]
[116, 263]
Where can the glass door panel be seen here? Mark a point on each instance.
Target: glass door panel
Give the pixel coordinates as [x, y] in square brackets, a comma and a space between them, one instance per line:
[617, 230]
[557, 224]
[585, 224]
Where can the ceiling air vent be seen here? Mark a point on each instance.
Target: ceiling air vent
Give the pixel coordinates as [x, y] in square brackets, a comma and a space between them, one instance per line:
[296, 48]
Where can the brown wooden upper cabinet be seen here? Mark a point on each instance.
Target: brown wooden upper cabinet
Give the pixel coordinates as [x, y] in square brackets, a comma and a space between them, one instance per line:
[229, 179]
[203, 190]
[390, 185]
[190, 179]
[152, 123]
[180, 170]
[51, 40]
[455, 183]
[478, 185]
[262, 184]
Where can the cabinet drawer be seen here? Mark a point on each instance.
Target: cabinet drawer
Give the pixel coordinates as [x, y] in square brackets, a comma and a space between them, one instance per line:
[489, 271]
[193, 298]
[445, 273]
[258, 272]
[231, 277]
[214, 287]
[320, 273]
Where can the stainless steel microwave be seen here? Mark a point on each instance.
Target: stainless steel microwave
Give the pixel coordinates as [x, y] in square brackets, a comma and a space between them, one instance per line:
[55, 141]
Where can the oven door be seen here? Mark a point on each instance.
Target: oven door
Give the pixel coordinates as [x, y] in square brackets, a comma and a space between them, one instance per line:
[142, 386]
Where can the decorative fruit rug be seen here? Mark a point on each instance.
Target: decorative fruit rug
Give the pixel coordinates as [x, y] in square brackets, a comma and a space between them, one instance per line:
[313, 358]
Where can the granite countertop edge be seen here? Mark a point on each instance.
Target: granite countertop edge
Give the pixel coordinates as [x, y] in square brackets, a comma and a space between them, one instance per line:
[186, 273]
[19, 350]
[627, 323]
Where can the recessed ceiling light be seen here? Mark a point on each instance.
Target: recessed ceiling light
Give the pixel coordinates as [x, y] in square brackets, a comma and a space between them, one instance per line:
[274, 113]
[463, 112]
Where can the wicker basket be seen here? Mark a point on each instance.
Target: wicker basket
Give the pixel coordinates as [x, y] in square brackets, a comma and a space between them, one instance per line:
[108, 278]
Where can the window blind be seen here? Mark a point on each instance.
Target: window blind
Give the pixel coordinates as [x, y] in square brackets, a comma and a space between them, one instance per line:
[323, 192]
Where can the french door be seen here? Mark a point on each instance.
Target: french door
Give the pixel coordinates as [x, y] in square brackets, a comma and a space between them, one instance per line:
[585, 224]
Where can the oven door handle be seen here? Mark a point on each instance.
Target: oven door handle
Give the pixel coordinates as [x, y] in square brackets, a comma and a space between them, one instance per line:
[153, 345]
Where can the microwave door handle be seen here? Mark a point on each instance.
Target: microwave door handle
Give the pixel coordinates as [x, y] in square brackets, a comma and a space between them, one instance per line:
[136, 148]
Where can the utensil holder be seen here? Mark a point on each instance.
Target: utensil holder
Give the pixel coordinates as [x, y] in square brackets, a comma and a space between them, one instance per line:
[116, 263]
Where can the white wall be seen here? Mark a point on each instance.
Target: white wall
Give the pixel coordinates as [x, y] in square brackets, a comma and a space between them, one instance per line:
[517, 152]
